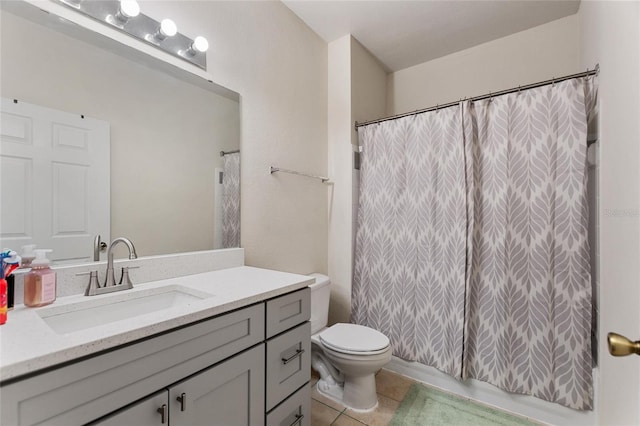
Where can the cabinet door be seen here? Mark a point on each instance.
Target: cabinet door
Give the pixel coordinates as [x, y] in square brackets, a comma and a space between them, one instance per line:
[150, 411]
[228, 394]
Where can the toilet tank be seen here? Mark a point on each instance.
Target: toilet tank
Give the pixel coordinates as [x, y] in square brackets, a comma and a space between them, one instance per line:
[320, 293]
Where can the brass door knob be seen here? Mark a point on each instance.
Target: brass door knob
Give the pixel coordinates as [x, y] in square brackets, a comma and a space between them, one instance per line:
[621, 346]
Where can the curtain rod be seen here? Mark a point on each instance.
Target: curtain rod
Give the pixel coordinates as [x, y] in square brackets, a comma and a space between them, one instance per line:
[587, 73]
[223, 153]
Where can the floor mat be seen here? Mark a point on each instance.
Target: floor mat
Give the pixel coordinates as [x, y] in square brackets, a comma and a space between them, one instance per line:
[424, 405]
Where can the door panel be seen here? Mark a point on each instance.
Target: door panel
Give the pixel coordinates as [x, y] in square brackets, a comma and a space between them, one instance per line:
[55, 180]
[610, 36]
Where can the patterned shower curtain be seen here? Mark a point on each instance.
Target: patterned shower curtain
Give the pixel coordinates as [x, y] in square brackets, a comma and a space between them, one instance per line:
[471, 242]
[411, 237]
[231, 201]
[529, 297]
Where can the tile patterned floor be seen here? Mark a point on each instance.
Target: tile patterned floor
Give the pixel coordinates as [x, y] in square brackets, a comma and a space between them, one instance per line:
[391, 389]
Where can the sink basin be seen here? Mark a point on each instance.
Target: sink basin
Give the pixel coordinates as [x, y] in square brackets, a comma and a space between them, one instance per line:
[100, 310]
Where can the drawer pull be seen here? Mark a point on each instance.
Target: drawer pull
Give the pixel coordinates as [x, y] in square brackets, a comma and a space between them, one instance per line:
[298, 419]
[292, 357]
[182, 399]
[163, 413]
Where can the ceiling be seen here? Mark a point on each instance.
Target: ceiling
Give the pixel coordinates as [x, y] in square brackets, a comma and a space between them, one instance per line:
[404, 33]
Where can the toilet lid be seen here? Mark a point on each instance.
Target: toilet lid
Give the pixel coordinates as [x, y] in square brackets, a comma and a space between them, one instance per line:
[354, 338]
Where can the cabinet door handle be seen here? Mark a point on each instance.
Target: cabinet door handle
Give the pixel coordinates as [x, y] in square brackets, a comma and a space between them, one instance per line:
[292, 357]
[298, 419]
[163, 413]
[182, 399]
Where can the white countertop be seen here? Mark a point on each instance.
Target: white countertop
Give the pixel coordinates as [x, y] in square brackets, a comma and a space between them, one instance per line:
[28, 344]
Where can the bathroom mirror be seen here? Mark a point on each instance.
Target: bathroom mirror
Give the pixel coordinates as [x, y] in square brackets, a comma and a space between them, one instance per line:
[167, 130]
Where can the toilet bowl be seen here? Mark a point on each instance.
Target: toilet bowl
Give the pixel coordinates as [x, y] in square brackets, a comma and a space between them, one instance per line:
[346, 356]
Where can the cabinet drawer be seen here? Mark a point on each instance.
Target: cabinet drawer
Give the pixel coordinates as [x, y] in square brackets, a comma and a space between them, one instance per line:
[141, 413]
[88, 389]
[288, 363]
[288, 311]
[294, 411]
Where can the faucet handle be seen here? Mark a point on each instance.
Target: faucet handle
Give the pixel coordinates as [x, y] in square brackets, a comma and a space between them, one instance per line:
[125, 279]
[93, 285]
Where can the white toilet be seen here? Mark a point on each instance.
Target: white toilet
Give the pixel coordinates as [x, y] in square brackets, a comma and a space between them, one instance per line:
[346, 356]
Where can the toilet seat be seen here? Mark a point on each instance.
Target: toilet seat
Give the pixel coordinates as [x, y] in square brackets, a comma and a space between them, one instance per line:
[354, 339]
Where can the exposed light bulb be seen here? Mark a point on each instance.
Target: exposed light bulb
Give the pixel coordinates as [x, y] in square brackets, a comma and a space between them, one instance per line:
[199, 45]
[129, 8]
[168, 28]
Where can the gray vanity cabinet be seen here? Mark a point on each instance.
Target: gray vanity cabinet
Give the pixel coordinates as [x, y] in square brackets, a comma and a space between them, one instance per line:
[86, 390]
[241, 368]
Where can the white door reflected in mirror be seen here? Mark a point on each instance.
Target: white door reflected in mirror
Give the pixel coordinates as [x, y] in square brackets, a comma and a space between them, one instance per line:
[55, 180]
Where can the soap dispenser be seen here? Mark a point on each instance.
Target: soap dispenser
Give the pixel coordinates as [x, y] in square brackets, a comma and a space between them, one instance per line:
[40, 282]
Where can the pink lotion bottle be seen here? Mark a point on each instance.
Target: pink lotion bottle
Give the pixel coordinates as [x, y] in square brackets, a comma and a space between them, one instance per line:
[40, 282]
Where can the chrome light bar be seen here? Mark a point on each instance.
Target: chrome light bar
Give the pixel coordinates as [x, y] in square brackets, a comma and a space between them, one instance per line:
[124, 15]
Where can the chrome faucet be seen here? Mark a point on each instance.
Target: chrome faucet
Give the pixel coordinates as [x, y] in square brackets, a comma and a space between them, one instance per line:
[110, 279]
[94, 288]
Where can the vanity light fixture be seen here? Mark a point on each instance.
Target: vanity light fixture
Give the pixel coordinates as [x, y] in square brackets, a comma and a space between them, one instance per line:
[125, 16]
